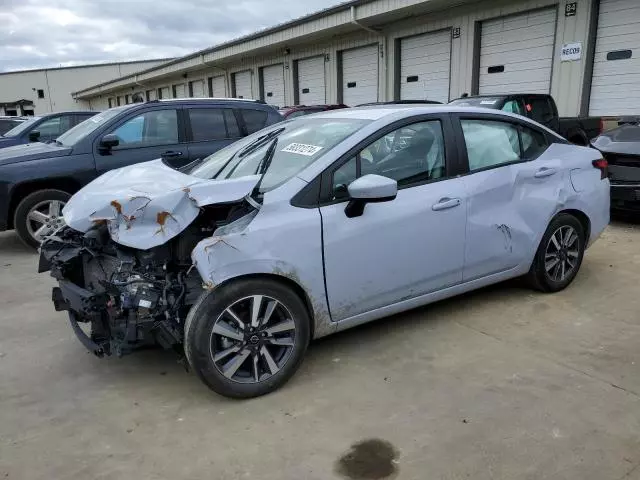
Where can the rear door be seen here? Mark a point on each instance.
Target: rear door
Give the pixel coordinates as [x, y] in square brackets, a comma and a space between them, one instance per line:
[209, 128]
[144, 135]
[512, 190]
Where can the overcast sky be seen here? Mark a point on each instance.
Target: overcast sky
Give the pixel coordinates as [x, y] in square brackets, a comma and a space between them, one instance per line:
[52, 33]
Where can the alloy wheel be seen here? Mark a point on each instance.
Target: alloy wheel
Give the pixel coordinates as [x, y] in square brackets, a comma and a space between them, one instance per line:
[561, 255]
[252, 339]
[45, 218]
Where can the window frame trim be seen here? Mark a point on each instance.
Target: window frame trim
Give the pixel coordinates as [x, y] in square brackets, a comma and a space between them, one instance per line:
[517, 123]
[452, 165]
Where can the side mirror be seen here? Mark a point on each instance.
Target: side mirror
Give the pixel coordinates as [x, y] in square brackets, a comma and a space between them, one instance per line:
[369, 189]
[108, 142]
[34, 136]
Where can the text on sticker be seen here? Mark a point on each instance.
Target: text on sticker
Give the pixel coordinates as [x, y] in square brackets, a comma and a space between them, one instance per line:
[302, 149]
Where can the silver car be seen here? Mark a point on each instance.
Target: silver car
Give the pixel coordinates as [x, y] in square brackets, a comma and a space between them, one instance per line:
[315, 225]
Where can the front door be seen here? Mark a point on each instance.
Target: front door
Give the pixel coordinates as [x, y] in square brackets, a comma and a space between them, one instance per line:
[145, 136]
[399, 249]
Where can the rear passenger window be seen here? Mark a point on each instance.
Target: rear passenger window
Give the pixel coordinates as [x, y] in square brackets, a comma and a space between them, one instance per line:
[232, 124]
[490, 143]
[533, 143]
[254, 119]
[207, 124]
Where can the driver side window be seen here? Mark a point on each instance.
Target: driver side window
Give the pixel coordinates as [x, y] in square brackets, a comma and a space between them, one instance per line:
[158, 127]
[411, 155]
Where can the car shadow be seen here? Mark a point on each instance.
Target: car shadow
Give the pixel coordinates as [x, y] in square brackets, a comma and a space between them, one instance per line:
[11, 244]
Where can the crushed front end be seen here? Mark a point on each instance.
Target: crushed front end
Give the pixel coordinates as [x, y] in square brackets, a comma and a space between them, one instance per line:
[118, 298]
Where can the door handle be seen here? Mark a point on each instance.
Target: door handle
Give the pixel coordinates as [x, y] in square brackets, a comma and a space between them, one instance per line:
[545, 172]
[171, 154]
[446, 203]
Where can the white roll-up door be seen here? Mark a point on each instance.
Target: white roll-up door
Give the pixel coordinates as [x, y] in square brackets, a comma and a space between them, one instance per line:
[242, 84]
[425, 65]
[516, 53]
[615, 86]
[152, 94]
[360, 75]
[311, 81]
[197, 89]
[273, 85]
[218, 89]
[164, 92]
[179, 91]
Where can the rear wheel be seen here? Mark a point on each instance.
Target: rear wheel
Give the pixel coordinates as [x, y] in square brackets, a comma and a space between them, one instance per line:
[39, 214]
[247, 338]
[559, 255]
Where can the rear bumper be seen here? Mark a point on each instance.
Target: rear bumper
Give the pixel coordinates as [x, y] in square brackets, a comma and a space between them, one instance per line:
[625, 197]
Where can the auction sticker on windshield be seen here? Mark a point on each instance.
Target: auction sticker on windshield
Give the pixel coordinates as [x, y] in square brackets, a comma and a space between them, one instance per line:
[302, 149]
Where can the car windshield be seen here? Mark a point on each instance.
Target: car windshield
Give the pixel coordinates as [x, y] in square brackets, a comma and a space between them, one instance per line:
[300, 142]
[22, 127]
[83, 129]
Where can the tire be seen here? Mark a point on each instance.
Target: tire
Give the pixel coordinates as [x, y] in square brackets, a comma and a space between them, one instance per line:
[555, 279]
[252, 378]
[24, 227]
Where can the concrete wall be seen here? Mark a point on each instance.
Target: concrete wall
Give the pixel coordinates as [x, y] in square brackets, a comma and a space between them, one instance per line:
[566, 83]
[59, 83]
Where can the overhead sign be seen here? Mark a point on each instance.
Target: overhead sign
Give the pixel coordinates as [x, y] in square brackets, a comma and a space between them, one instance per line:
[571, 52]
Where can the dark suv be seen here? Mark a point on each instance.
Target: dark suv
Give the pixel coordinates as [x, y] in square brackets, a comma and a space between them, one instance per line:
[43, 129]
[37, 179]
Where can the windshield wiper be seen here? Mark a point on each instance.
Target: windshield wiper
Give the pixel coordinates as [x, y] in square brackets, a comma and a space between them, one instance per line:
[259, 142]
[264, 164]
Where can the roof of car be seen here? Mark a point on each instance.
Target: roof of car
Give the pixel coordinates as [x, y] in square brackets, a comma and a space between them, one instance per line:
[208, 100]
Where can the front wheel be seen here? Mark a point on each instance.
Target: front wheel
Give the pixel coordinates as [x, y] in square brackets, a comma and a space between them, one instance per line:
[247, 338]
[39, 214]
[559, 255]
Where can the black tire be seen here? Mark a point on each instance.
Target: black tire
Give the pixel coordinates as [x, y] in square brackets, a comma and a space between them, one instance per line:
[25, 206]
[538, 277]
[211, 305]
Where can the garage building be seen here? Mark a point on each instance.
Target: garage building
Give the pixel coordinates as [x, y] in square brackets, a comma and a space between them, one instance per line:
[586, 53]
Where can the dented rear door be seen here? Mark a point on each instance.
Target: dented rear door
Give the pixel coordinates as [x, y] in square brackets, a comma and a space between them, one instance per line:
[512, 190]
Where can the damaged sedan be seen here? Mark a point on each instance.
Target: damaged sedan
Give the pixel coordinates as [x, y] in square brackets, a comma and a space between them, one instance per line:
[315, 225]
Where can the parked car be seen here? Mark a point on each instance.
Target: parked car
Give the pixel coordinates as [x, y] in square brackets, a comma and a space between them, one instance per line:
[45, 128]
[301, 110]
[621, 148]
[541, 108]
[7, 123]
[37, 179]
[402, 102]
[316, 225]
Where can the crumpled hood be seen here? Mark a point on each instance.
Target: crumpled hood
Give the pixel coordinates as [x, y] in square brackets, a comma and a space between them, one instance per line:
[31, 151]
[147, 204]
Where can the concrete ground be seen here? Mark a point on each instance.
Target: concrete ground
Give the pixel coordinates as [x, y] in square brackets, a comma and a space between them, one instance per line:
[503, 383]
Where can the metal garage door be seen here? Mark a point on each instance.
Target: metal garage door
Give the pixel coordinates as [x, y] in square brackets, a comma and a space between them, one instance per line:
[179, 91]
[196, 89]
[425, 65]
[273, 85]
[216, 87]
[360, 75]
[516, 53]
[164, 92]
[242, 84]
[615, 87]
[311, 81]
[152, 95]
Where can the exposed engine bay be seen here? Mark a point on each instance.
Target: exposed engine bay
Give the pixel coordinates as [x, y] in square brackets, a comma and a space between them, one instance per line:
[120, 298]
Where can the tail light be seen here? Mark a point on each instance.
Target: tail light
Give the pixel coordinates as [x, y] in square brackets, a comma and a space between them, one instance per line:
[602, 165]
